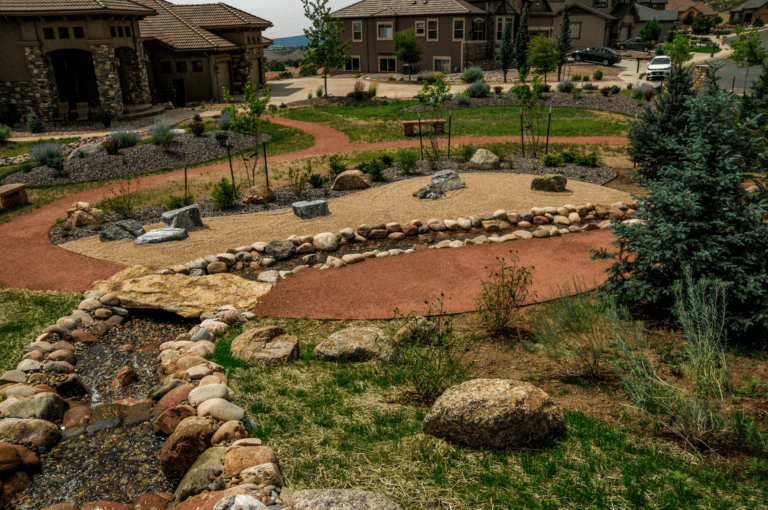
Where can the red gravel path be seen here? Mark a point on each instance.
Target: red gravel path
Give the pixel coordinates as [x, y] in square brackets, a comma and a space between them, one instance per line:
[29, 260]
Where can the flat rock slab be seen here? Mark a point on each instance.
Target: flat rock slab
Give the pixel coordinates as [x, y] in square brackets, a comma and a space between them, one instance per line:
[355, 344]
[551, 183]
[308, 210]
[187, 296]
[341, 499]
[162, 235]
[124, 229]
[187, 218]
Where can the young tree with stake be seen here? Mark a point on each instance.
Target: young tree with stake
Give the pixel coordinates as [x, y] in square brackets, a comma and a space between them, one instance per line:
[408, 50]
[324, 48]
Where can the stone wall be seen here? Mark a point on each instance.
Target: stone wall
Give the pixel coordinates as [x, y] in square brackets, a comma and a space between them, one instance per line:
[138, 78]
[479, 54]
[699, 75]
[42, 82]
[19, 94]
[104, 63]
[241, 70]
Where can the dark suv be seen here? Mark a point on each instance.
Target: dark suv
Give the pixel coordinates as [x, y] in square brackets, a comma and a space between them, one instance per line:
[605, 56]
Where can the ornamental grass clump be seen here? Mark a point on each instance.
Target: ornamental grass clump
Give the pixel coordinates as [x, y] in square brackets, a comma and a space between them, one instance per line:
[48, 154]
[126, 136]
[162, 135]
[502, 295]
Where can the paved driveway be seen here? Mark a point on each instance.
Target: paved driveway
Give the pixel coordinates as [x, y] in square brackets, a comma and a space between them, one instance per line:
[733, 77]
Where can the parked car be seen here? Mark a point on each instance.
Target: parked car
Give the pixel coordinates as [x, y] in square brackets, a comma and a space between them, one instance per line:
[636, 43]
[605, 56]
[659, 67]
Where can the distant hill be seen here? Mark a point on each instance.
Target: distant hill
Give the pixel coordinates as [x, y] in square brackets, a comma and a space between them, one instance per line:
[297, 40]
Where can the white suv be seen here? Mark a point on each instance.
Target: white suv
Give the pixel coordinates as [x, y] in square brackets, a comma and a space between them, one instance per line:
[659, 67]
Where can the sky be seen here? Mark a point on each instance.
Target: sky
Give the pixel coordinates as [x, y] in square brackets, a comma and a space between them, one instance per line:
[287, 16]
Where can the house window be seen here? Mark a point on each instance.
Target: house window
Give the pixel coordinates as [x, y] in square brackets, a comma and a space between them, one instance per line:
[385, 30]
[48, 33]
[63, 33]
[432, 30]
[599, 3]
[478, 30]
[127, 31]
[353, 64]
[197, 66]
[501, 23]
[181, 67]
[420, 28]
[120, 32]
[387, 65]
[112, 32]
[79, 32]
[165, 67]
[575, 31]
[443, 64]
[357, 31]
[458, 29]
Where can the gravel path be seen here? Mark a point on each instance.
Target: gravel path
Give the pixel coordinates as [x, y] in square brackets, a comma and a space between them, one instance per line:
[143, 159]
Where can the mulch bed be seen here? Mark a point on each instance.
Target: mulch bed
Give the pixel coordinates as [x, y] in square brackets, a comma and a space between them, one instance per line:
[142, 159]
[285, 196]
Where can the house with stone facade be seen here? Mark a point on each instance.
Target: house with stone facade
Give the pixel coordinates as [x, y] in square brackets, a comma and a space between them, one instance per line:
[124, 55]
[455, 34]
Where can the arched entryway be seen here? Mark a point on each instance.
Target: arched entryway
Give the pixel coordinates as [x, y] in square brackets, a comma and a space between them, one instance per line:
[75, 76]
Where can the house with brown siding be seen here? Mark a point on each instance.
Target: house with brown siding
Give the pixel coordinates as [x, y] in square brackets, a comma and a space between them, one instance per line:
[455, 34]
[112, 54]
[749, 11]
[683, 7]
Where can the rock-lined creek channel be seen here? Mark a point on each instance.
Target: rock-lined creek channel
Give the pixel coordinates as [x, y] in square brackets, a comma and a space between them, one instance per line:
[109, 450]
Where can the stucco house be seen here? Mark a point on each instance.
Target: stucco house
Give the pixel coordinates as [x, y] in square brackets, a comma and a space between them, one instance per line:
[749, 11]
[455, 34]
[124, 55]
[683, 7]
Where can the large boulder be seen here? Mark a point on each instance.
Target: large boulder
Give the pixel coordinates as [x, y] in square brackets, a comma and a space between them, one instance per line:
[82, 214]
[351, 179]
[32, 433]
[188, 296]
[355, 344]
[187, 218]
[341, 499]
[162, 235]
[265, 345]
[447, 180]
[182, 448]
[43, 406]
[209, 464]
[494, 413]
[88, 149]
[280, 250]
[258, 195]
[552, 183]
[123, 229]
[484, 160]
[326, 242]
[308, 210]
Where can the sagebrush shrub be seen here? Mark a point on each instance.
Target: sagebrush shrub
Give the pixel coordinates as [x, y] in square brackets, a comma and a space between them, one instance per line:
[225, 122]
[462, 98]
[162, 135]
[565, 86]
[48, 154]
[472, 75]
[478, 89]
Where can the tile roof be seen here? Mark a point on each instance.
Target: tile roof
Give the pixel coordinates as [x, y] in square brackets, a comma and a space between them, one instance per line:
[588, 9]
[750, 4]
[181, 27]
[372, 8]
[684, 5]
[647, 14]
[71, 6]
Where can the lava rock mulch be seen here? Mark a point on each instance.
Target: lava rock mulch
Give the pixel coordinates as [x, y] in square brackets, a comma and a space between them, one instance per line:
[143, 159]
[285, 196]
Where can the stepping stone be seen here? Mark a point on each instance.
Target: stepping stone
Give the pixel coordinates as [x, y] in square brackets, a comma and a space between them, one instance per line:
[162, 235]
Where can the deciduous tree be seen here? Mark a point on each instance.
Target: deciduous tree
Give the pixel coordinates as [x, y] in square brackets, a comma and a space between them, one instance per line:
[408, 48]
[325, 48]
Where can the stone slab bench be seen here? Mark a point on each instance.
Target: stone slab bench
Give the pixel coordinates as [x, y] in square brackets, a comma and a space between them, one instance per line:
[14, 195]
[437, 125]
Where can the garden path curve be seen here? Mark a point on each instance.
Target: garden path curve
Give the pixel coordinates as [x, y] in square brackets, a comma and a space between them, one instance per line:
[29, 260]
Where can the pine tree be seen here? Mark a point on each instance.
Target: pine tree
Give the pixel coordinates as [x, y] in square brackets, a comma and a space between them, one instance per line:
[651, 134]
[34, 124]
[505, 57]
[521, 43]
[697, 214]
[324, 48]
[563, 42]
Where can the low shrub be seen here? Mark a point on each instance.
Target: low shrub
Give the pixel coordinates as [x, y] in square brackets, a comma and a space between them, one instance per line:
[105, 117]
[589, 160]
[576, 77]
[629, 86]
[605, 90]
[467, 151]
[597, 75]
[225, 122]
[126, 137]
[590, 86]
[336, 165]
[5, 133]
[376, 170]
[48, 154]
[433, 76]
[649, 93]
[122, 201]
[546, 88]
[433, 154]
[499, 150]
[478, 89]
[472, 75]
[112, 146]
[407, 160]
[224, 194]
[34, 124]
[553, 160]
[178, 201]
[637, 94]
[359, 90]
[9, 115]
[285, 75]
[615, 90]
[570, 155]
[502, 295]
[161, 135]
[498, 89]
[316, 180]
[319, 92]
[222, 137]
[373, 88]
[387, 160]
[566, 86]
[462, 98]
[197, 126]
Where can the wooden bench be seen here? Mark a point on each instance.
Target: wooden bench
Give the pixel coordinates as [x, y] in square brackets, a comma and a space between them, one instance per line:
[14, 195]
[437, 125]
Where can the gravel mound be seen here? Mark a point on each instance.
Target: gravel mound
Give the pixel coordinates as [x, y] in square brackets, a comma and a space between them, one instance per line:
[143, 159]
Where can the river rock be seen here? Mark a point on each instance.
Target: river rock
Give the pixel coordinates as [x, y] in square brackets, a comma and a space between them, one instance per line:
[238, 459]
[484, 160]
[494, 413]
[9, 458]
[447, 180]
[182, 448]
[43, 406]
[325, 242]
[264, 474]
[158, 392]
[267, 344]
[123, 229]
[161, 235]
[208, 501]
[31, 432]
[351, 179]
[203, 393]
[232, 429]
[355, 344]
[308, 210]
[240, 502]
[187, 218]
[187, 296]
[209, 464]
[341, 499]
[174, 397]
[71, 386]
[221, 410]
[169, 419]
[280, 250]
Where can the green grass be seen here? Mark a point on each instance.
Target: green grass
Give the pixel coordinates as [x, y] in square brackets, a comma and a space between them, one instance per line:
[12, 149]
[335, 425]
[705, 50]
[378, 122]
[23, 316]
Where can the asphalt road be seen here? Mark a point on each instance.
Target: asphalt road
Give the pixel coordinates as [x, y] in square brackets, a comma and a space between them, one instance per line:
[729, 71]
